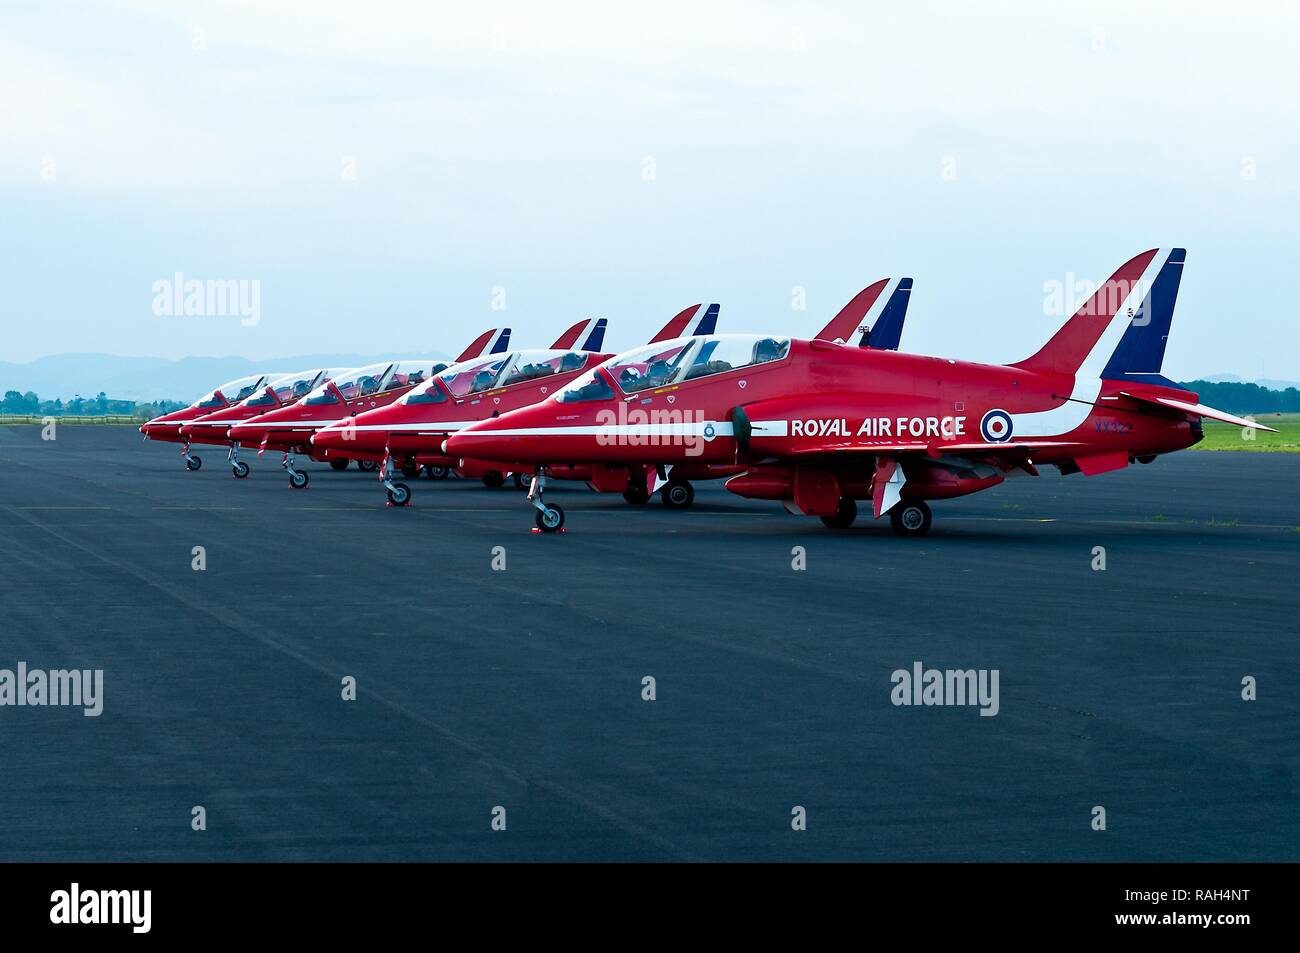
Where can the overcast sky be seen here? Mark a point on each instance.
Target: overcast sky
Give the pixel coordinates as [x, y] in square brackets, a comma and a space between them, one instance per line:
[388, 172]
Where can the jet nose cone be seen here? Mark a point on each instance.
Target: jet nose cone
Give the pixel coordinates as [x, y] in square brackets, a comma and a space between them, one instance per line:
[483, 443]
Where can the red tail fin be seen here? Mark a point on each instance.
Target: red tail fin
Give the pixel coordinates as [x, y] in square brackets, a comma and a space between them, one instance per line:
[489, 342]
[844, 324]
[1069, 347]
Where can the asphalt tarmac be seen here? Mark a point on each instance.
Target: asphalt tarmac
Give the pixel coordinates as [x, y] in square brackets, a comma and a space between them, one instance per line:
[522, 688]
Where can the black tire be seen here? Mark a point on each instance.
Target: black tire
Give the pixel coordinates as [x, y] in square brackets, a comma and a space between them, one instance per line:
[399, 495]
[636, 493]
[910, 519]
[298, 479]
[410, 470]
[551, 520]
[438, 473]
[677, 494]
[494, 479]
[523, 481]
[844, 516]
[193, 463]
[1149, 458]
[339, 463]
[367, 466]
[240, 469]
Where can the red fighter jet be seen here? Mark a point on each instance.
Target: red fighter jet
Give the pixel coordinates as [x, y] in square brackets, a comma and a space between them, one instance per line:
[279, 392]
[820, 426]
[167, 427]
[413, 428]
[290, 429]
[877, 311]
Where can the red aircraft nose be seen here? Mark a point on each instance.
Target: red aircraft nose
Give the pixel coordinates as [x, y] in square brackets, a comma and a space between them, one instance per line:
[247, 432]
[525, 435]
[344, 436]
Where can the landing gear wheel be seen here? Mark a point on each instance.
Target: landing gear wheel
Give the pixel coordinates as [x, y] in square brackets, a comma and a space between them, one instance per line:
[843, 516]
[677, 494]
[339, 463]
[193, 463]
[494, 479]
[438, 473]
[523, 481]
[410, 470]
[399, 494]
[1149, 458]
[369, 466]
[240, 469]
[551, 519]
[298, 479]
[636, 493]
[910, 519]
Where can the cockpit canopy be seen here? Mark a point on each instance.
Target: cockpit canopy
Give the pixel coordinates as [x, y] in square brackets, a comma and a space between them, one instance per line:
[687, 359]
[233, 391]
[374, 379]
[498, 370]
[289, 388]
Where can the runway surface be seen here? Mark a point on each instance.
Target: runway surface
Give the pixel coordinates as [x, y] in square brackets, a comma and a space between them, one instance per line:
[522, 688]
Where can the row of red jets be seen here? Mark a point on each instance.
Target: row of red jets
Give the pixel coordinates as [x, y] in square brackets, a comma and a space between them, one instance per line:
[401, 412]
[816, 424]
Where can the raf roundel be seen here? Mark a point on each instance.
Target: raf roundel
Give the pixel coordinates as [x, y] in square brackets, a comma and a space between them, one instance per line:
[996, 426]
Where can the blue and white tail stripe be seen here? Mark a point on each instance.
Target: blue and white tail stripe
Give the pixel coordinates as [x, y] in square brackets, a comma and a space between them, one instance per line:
[499, 343]
[704, 322]
[883, 322]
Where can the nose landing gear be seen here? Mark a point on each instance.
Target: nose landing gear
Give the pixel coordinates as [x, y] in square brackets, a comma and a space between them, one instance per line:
[297, 478]
[192, 461]
[399, 494]
[238, 467]
[549, 519]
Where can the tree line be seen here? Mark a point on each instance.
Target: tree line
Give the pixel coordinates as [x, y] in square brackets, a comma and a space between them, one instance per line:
[18, 403]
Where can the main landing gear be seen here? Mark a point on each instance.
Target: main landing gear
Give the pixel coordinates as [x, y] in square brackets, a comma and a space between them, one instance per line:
[843, 516]
[494, 479]
[399, 494]
[367, 466]
[338, 463]
[438, 473]
[297, 478]
[911, 518]
[523, 481]
[238, 467]
[636, 492]
[192, 461]
[677, 494]
[410, 469]
[549, 519]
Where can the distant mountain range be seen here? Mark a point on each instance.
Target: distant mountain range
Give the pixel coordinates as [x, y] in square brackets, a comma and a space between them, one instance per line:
[1270, 383]
[147, 379]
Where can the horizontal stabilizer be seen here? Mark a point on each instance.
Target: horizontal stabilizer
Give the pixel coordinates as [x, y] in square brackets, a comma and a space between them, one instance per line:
[1199, 410]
